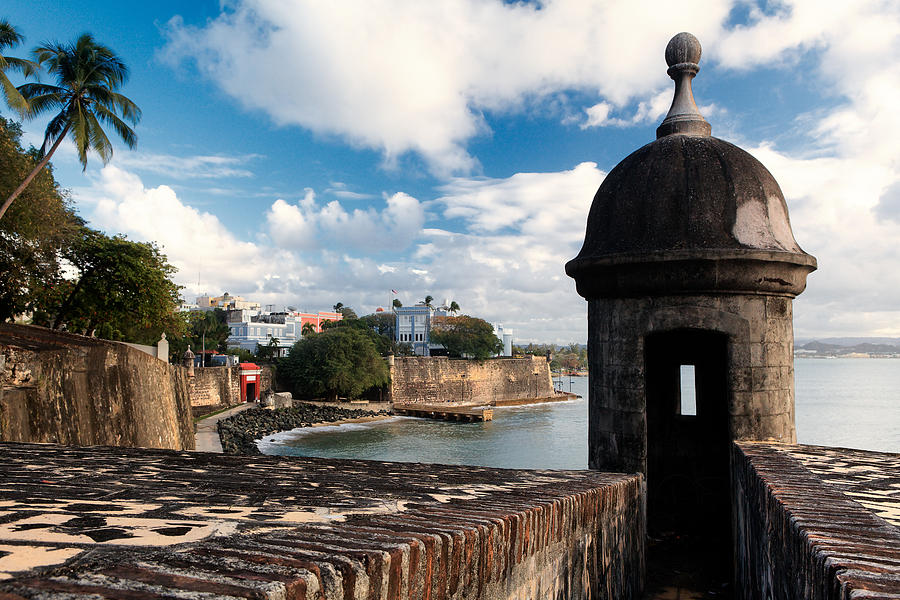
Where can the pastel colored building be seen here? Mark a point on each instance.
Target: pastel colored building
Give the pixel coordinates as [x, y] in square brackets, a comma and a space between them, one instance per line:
[226, 302]
[414, 326]
[250, 331]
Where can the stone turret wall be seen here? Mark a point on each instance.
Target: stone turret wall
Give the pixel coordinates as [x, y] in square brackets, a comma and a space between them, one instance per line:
[760, 368]
[438, 380]
[75, 390]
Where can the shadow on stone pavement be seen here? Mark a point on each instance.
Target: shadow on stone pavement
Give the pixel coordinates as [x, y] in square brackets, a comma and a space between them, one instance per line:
[683, 567]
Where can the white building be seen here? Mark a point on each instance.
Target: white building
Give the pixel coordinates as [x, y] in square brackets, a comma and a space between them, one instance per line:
[250, 330]
[505, 336]
[413, 326]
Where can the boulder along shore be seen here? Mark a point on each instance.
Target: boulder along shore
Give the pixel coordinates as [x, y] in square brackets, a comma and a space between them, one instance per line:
[239, 433]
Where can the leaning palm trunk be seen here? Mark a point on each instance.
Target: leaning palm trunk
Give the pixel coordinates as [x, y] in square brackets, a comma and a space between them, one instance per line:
[33, 173]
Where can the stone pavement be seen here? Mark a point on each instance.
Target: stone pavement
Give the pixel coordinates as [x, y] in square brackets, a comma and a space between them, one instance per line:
[207, 435]
[79, 523]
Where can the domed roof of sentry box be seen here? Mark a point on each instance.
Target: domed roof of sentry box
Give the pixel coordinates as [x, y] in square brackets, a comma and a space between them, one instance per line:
[689, 212]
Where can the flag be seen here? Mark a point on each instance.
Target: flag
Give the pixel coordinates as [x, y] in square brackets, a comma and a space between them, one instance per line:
[394, 292]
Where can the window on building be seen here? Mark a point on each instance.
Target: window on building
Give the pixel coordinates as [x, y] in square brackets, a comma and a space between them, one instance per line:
[688, 391]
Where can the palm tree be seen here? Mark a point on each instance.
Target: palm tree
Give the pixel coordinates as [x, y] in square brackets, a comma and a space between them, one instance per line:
[87, 77]
[428, 300]
[9, 37]
[454, 307]
[307, 329]
[337, 307]
[397, 303]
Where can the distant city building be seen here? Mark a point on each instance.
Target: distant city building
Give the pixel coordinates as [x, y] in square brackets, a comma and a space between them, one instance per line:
[413, 326]
[505, 336]
[226, 302]
[250, 330]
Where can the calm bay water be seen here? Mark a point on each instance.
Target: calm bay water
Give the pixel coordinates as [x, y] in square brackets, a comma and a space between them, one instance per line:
[845, 402]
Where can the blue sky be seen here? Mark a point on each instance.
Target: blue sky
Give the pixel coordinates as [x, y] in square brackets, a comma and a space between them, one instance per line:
[302, 153]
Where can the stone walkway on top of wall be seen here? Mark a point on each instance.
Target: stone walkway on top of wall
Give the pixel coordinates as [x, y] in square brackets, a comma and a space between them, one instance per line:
[131, 523]
[870, 478]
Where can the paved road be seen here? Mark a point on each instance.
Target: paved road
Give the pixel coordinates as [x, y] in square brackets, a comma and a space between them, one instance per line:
[206, 434]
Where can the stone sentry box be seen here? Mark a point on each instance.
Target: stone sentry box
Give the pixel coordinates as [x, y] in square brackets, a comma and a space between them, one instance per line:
[688, 259]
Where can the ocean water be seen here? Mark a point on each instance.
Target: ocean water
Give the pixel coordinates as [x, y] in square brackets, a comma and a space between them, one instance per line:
[846, 402]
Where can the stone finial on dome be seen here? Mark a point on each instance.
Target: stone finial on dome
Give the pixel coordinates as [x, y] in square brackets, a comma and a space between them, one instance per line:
[682, 56]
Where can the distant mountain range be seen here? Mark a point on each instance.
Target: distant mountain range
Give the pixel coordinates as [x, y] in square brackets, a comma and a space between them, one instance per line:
[878, 346]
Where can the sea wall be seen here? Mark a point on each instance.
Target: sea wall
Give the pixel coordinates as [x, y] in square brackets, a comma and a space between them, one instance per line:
[815, 523]
[438, 380]
[75, 390]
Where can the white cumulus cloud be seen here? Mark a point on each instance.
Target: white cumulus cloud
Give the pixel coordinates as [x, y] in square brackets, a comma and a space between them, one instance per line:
[410, 76]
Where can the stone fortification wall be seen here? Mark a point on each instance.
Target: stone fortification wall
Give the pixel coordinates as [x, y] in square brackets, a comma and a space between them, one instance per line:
[816, 523]
[267, 380]
[215, 386]
[75, 390]
[438, 380]
[328, 529]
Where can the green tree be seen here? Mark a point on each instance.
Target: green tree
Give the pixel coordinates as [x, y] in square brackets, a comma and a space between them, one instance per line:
[87, 76]
[34, 232]
[348, 313]
[465, 336]
[338, 306]
[9, 37]
[338, 362]
[454, 308]
[380, 328]
[307, 330]
[243, 354]
[397, 303]
[203, 329]
[122, 290]
[269, 351]
[428, 300]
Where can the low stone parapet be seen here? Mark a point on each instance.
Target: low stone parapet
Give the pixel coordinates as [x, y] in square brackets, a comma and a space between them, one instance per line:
[816, 523]
[131, 524]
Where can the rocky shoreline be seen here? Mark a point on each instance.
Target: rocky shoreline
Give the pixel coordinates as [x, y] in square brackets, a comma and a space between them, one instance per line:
[239, 433]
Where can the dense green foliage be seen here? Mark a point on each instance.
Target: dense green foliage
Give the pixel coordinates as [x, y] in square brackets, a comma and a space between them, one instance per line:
[465, 337]
[243, 354]
[269, 351]
[341, 361]
[203, 329]
[33, 233]
[121, 290]
[571, 357]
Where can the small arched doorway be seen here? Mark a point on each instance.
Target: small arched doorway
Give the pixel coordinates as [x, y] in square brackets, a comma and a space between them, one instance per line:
[688, 440]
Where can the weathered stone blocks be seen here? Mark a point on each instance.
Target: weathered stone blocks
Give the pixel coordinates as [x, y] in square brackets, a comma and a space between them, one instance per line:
[435, 380]
[137, 524]
[69, 389]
